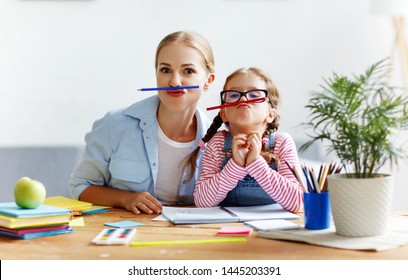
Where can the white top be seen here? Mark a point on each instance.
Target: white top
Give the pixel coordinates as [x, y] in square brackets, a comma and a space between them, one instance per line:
[169, 173]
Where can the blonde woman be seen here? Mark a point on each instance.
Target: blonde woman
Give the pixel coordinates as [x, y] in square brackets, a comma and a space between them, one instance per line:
[132, 154]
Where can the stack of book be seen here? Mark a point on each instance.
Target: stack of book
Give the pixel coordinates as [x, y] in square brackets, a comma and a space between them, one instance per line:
[42, 221]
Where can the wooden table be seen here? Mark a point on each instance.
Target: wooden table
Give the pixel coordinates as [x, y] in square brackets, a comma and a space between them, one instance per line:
[77, 246]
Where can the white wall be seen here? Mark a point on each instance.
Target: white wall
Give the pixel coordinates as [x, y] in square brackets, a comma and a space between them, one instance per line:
[64, 63]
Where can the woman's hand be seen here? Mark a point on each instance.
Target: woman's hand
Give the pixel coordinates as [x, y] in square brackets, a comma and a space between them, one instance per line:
[142, 202]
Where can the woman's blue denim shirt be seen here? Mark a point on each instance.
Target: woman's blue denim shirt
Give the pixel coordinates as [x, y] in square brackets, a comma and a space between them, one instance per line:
[121, 152]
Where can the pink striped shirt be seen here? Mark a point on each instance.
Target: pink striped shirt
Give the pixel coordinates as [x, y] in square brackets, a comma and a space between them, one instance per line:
[282, 186]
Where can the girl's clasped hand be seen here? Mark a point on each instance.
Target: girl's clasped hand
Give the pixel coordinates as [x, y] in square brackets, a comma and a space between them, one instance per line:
[246, 147]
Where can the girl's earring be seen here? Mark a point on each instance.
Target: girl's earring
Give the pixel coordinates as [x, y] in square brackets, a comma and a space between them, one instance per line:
[205, 88]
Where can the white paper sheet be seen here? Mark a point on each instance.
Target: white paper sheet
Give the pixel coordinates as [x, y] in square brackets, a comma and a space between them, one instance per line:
[396, 235]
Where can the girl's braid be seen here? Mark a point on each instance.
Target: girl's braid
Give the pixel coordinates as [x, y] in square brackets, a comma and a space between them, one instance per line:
[191, 160]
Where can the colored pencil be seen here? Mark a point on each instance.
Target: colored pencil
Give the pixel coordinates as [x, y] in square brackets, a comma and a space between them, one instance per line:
[308, 181]
[167, 88]
[297, 175]
[314, 181]
[299, 179]
[317, 182]
[235, 103]
[323, 178]
[194, 241]
[320, 173]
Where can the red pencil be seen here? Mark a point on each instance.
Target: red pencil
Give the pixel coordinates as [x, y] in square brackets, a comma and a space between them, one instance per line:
[235, 103]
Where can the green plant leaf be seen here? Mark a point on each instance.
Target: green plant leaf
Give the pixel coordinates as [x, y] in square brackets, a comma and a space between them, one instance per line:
[359, 116]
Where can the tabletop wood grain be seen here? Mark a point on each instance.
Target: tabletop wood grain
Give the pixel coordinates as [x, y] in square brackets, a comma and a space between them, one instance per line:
[77, 245]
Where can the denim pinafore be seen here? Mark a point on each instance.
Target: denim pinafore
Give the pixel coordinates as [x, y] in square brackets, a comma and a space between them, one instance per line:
[247, 192]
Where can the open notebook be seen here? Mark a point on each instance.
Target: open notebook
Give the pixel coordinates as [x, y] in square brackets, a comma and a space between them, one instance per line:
[183, 215]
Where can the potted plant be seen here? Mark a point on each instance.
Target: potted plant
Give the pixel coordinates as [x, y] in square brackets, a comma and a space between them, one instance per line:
[359, 118]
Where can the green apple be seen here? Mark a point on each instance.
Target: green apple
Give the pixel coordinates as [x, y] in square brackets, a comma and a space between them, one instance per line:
[29, 193]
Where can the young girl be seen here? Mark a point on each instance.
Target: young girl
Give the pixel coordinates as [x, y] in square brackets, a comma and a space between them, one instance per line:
[249, 163]
[132, 154]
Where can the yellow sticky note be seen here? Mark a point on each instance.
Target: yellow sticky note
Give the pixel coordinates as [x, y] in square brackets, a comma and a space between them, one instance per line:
[65, 202]
[78, 222]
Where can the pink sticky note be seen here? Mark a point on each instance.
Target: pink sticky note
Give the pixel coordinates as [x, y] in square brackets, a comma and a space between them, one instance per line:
[235, 230]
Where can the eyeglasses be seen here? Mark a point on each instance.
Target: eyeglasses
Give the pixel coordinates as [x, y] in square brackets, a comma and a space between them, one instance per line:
[232, 96]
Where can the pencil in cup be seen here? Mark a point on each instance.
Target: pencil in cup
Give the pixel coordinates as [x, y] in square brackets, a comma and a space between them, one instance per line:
[319, 183]
[297, 175]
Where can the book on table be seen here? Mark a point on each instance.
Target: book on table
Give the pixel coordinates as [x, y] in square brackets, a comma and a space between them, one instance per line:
[11, 209]
[15, 223]
[13, 217]
[30, 233]
[184, 215]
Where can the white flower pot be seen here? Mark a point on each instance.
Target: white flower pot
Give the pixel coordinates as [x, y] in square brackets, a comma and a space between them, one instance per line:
[360, 207]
